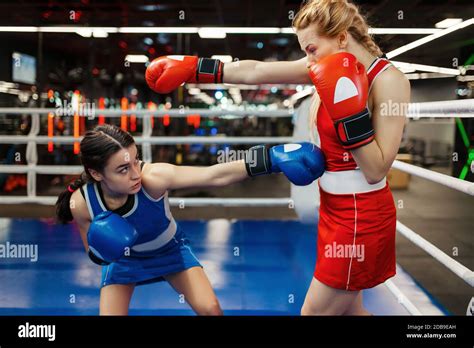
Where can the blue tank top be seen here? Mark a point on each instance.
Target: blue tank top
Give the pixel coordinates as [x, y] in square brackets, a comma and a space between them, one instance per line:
[151, 217]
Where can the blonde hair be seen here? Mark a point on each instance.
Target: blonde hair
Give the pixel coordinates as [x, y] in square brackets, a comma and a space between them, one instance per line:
[333, 17]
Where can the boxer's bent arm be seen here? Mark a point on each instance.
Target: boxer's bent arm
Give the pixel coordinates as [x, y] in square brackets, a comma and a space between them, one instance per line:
[391, 93]
[252, 72]
[81, 216]
[164, 176]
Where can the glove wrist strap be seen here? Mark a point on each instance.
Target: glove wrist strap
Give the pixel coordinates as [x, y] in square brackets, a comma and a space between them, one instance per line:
[209, 71]
[356, 130]
[257, 161]
[97, 260]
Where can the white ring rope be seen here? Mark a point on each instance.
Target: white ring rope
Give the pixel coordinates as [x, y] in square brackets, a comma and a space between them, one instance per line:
[94, 112]
[175, 201]
[463, 108]
[446, 108]
[402, 298]
[443, 179]
[43, 139]
[231, 202]
[460, 270]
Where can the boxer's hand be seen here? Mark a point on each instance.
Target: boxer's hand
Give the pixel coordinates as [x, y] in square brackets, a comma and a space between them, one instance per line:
[302, 163]
[108, 237]
[342, 84]
[165, 74]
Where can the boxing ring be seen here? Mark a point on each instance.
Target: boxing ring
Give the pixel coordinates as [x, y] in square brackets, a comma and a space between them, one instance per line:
[255, 267]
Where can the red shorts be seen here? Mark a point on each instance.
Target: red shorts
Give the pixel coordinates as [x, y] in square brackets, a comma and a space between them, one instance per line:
[356, 239]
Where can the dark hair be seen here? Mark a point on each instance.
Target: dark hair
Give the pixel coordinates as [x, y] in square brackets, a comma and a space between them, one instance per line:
[96, 148]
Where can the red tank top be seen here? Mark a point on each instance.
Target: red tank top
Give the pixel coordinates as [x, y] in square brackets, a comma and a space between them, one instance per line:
[337, 158]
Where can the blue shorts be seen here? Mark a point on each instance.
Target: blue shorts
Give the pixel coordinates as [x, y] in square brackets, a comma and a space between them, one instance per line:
[175, 256]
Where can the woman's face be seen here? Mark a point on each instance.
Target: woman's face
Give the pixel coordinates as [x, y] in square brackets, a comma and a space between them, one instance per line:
[316, 46]
[122, 173]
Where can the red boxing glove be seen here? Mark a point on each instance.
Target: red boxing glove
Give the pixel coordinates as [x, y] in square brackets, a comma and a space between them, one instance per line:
[165, 74]
[341, 82]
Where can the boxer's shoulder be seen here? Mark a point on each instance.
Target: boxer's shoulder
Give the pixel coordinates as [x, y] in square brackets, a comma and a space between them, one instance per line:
[156, 177]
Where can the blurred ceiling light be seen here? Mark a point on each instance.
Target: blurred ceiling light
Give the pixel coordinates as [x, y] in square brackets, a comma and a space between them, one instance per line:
[429, 38]
[148, 41]
[194, 91]
[406, 70]
[152, 7]
[303, 93]
[212, 33]
[251, 30]
[150, 30]
[84, 32]
[220, 31]
[136, 58]
[6, 84]
[448, 22]
[384, 31]
[19, 29]
[206, 98]
[99, 33]
[408, 31]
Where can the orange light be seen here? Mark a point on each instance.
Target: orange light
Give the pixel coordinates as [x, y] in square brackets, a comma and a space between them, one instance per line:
[152, 106]
[166, 120]
[124, 118]
[75, 100]
[50, 131]
[194, 120]
[101, 107]
[60, 126]
[76, 133]
[197, 120]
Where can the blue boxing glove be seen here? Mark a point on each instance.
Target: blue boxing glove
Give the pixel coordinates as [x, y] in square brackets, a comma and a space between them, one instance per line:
[109, 236]
[302, 163]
